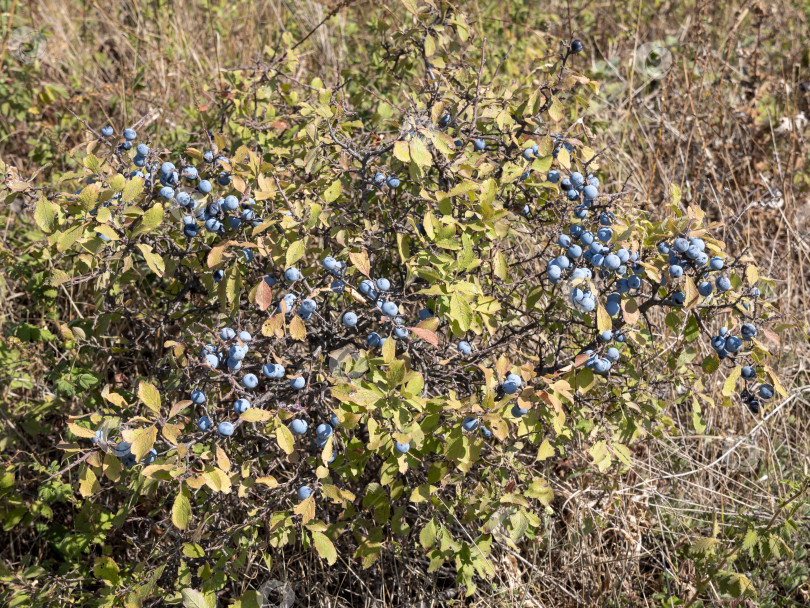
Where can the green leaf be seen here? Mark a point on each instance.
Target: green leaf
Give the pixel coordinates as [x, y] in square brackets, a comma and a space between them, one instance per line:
[324, 547]
[332, 192]
[460, 311]
[132, 189]
[419, 153]
[295, 252]
[67, 238]
[149, 220]
[427, 537]
[181, 510]
[730, 385]
[44, 214]
[195, 599]
[285, 439]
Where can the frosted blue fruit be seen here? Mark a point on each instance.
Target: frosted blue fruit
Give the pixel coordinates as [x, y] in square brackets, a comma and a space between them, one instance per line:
[574, 251]
[223, 179]
[308, 305]
[766, 391]
[298, 383]
[602, 366]
[612, 308]
[373, 339]
[240, 406]
[400, 333]
[589, 192]
[204, 186]
[577, 179]
[748, 331]
[212, 360]
[237, 352]
[702, 259]
[234, 365]
[167, 168]
[392, 182]
[250, 381]
[606, 335]
[479, 144]
[597, 260]
[444, 120]
[245, 336]
[208, 156]
[212, 225]
[705, 288]
[612, 262]
[350, 319]
[693, 252]
[190, 173]
[166, 193]
[680, 245]
[623, 254]
[334, 421]
[402, 448]
[304, 492]
[733, 344]
[697, 242]
[129, 459]
[612, 354]
[292, 275]
[139, 161]
[553, 176]
[554, 272]
[748, 372]
[588, 304]
[716, 263]
[678, 298]
[329, 263]
[226, 333]
[723, 283]
[527, 154]
[197, 397]
[218, 275]
[572, 194]
[299, 426]
[486, 432]
[634, 282]
[469, 424]
[366, 287]
[518, 411]
[273, 370]
[718, 343]
[425, 313]
[510, 387]
[231, 203]
[150, 457]
[107, 131]
[464, 348]
[130, 134]
[723, 331]
[121, 449]
[225, 428]
[379, 178]
[390, 309]
[675, 271]
[142, 149]
[383, 284]
[564, 240]
[183, 198]
[586, 238]
[324, 431]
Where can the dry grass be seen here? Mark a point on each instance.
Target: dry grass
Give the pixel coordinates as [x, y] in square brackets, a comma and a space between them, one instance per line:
[723, 124]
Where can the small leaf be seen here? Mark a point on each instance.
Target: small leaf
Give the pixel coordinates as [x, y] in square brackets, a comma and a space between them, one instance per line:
[295, 252]
[603, 321]
[361, 261]
[285, 439]
[150, 396]
[324, 547]
[730, 384]
[333, 191]
[256, 415]
[425, 334]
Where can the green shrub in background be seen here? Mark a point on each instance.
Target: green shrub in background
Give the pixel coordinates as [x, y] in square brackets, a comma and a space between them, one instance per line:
[380, 318]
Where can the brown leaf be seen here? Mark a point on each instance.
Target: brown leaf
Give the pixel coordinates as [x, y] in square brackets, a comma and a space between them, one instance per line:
[264, 296]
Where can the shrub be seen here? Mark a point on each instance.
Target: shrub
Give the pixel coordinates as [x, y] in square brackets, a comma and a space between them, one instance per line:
[309, 234]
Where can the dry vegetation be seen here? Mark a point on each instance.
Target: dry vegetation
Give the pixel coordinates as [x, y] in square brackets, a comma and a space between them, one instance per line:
[727, 123]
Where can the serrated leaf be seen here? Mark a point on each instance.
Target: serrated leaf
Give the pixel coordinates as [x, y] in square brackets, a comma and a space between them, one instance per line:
[44, 214]
[256, 415]
[324, 547]
[285, 440]
[333, 191]
[401, 151]
[132, 189]
[295, 252]
[143, 442]
[196, 599]
[360, 261]
[419, 153]
[603, 320]
[88, 482]
[149, 220]
[67, 238]
[150, 396]
[306, 509]
[730, 385]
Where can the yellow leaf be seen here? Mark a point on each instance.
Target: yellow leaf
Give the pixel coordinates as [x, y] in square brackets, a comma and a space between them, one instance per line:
[256, 415]
[295, 252]
[88, 483]
[691, 293]
[143, 442]
[298, 331]
[223, 462]
[401, 151]
[306, 509]
[603, 321]
[150, 396]
[361, 261]
[285, 439]
[730, 384]
[324, 547]
[181, 510]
